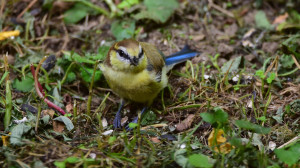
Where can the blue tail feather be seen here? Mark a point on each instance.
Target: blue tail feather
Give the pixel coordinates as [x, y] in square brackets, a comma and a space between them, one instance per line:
[180, 56]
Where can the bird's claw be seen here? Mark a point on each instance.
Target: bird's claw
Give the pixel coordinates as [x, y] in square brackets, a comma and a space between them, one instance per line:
[117, 122]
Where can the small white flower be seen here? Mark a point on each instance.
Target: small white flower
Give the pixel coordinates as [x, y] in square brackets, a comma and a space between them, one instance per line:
[236, 78]
[102, 43]
[108, 132]
[12, 37]
[21, 121]
[104, 123]
[92, 155]
[182, 146]
[272, 145]
[206, 76]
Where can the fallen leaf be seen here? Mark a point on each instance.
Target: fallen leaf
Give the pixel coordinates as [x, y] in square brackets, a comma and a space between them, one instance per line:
[155, 140]
[225, 49]
[8, 34]
[124, 120]
[49, 112]
[186, 123]
[218, 142]
[69, 108]
[108, 132]
[5, 140]
[270, 47]
[231, 30]
[198, 37]
[249, 33]
[58, 126]
[281, 18]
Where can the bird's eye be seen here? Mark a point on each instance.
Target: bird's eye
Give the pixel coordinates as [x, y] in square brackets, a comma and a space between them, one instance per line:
[122, 54]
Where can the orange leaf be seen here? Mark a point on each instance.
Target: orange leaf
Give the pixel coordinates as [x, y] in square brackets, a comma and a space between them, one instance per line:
[281, 18]
[218, 142]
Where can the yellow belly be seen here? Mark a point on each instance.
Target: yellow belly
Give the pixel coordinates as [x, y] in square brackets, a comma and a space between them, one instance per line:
[138, 87]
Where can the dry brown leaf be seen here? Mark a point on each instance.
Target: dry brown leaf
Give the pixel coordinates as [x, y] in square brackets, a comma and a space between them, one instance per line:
[69, 108]
[155, 139]
[281, 18]
[218, 142]
[49, 112]
[198, 37]
[58, 126]
[124, 120]
[186, 123]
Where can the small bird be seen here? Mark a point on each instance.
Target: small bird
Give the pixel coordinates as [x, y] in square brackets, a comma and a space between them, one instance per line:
[137, 72]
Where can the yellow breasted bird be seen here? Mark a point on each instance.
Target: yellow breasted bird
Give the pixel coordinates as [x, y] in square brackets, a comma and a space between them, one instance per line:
[137, 71]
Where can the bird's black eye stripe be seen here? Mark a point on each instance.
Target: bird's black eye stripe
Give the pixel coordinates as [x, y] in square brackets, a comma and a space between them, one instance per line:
[123, 54]
[141, 53]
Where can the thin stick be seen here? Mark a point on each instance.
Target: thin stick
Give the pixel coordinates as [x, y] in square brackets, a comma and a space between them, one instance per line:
[27, 8]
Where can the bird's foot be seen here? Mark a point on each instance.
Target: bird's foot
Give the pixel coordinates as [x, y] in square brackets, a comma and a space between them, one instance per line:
[117, 121]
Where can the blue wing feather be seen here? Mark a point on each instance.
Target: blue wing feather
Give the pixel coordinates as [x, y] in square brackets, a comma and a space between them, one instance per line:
[180, 56]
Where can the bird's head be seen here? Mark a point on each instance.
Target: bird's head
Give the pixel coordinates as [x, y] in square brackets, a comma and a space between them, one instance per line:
[127, 55]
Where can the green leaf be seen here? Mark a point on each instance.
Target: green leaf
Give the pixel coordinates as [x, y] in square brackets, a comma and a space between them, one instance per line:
[235, 64]
[3, 77]
[76, 57]
[66, 121]
[181, 159]
[17, 132]
[86, 74]
[158, 10]
[60, 164]
[290, 156]
[148, 118]
[217, 116]
[71, 77]
[271, 77]
[286, 61]
[127, 3]
[77, 12]
[291, 46]
[200, 160]
[102, 52]
[123, 29]
[262, 21]
[252, 127]
[262, 118]
[25, 85]
[260, 73]
[112, 139]
[279, 115]
[72, 159]
[132, 125]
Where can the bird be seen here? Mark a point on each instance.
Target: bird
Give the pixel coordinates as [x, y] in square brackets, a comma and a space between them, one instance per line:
[137, 72]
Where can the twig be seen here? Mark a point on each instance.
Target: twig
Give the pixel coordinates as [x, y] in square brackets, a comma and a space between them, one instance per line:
[295, 60]
[26, 9]
[289, 142]
[226, 12]
[3, 3]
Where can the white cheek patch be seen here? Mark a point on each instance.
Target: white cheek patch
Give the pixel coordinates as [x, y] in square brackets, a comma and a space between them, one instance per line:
[123, 59]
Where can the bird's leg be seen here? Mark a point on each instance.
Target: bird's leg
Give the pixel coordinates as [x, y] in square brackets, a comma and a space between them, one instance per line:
[117, 120]
[135, 120]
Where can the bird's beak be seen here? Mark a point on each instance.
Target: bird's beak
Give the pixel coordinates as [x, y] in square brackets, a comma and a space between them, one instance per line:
[134, 61]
